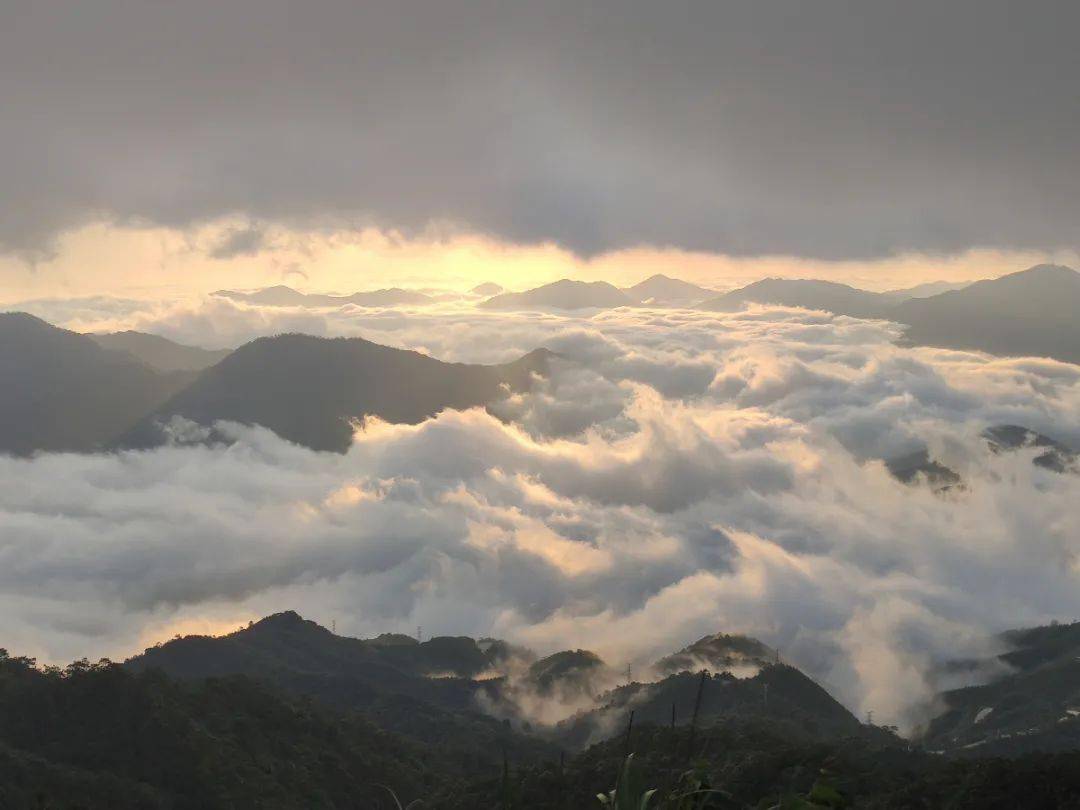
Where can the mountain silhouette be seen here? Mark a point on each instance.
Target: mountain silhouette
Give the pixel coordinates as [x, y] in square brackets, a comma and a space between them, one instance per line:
[925, 290]
[487, 289]
[1030, 313]
[840, 299]
[158, 352]
[310, 390]
[64, 392]
[1034, 706]
[282, 296]
[661, 289]
[564, 294]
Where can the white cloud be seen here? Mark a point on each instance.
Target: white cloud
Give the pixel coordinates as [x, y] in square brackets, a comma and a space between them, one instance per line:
[681, 473]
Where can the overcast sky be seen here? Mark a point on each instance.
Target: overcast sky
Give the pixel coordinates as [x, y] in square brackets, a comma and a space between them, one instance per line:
[823, 130]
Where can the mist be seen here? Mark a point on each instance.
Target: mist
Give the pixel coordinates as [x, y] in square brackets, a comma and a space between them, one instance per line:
[678, 474]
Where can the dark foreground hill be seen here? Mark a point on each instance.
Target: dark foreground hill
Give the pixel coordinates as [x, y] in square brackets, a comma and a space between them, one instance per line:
[63, 391]
[311, 719]
[427, 692]
[99, 736]
[310, 390]
[1034, 707]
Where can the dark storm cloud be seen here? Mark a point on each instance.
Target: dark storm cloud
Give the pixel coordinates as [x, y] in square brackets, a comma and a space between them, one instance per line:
[828, 129]
[238, 242]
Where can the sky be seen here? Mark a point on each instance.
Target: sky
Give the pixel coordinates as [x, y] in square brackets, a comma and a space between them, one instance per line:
[344, 146]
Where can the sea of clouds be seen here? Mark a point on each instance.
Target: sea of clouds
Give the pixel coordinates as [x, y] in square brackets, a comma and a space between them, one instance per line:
[680, 473]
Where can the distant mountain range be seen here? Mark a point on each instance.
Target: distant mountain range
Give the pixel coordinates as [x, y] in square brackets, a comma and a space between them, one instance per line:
[282, 296]
[564, 294]
[925, 290]
[664, 290]
[158, 352]
[487, 289]
[75, 395]
[1031, 313]
[806, 293]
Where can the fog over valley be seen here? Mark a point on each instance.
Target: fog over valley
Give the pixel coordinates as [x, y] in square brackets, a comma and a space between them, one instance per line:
[662, 475]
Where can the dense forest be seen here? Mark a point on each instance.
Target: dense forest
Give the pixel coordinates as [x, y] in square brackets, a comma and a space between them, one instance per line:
[155, 733]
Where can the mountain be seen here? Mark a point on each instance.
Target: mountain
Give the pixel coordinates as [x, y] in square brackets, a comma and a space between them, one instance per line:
[306, 658]
[104, 737]
[425, 692]
[309, 390]
[487, 289]
[840, 299]
[776, 691]
[1030, 313]
[158, 352]
[661, 289]
[564, 294]
[282, 296]
[926, 290]
[64, 392]
[718, 653]
[101, 736]
[569, 674]
[1035, 707]
[918, 466]
[283, 713]
[1051, 454]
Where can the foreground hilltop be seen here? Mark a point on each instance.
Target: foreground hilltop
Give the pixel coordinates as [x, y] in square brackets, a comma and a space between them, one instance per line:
[284, 713]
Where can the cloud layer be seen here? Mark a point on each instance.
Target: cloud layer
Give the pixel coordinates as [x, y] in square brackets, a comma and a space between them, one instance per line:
[750, 127]
[680, 474]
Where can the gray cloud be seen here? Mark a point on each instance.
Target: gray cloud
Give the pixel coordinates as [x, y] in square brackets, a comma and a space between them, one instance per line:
[239, 242]
[828, 129]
